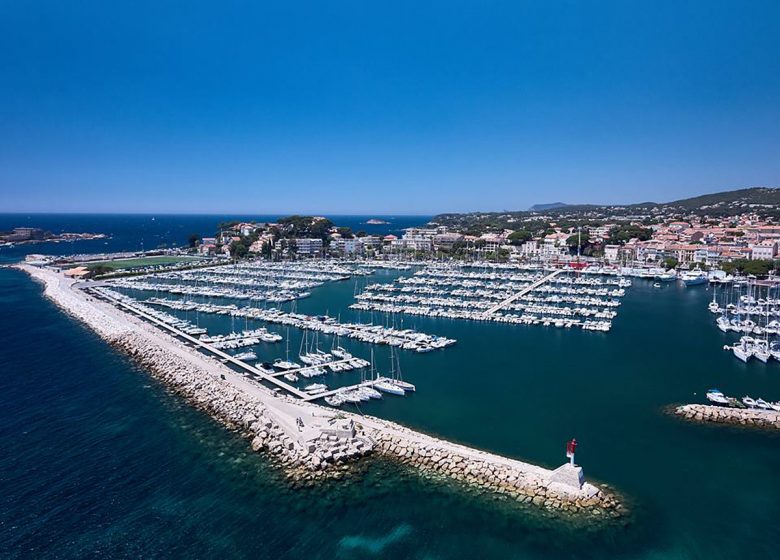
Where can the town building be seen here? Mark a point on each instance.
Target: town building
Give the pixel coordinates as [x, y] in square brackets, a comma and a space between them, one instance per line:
[308, 246]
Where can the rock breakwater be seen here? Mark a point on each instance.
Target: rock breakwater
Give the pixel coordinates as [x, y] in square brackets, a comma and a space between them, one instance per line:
[736, 416]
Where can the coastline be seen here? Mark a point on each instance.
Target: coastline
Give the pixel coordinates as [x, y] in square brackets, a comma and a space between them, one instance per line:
[324, 439]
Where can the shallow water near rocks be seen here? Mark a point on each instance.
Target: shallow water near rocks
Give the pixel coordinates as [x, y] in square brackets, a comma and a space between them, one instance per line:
[99, 459]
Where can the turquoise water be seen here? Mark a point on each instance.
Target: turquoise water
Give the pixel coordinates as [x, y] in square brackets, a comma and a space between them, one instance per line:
[99, 460]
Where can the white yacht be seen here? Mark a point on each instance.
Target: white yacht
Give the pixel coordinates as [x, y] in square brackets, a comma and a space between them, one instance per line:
[762, 404]
[717, 397]
[285, 364]
[667, 276]
[315, 388]
[339, 352]
[694, 277]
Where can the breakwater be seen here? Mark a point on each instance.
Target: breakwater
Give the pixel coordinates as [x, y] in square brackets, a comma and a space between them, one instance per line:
[736, 416]
[310, 439]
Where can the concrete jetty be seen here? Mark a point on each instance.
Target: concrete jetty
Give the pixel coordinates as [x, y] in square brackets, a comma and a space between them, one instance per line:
[308, 439]
[749, 417]
[524, 291]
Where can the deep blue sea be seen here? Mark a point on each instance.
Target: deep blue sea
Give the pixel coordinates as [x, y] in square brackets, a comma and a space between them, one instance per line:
[98, 460]
[135, 232]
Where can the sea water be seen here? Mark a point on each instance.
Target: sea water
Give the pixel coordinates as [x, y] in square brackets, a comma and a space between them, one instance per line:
[98, 459]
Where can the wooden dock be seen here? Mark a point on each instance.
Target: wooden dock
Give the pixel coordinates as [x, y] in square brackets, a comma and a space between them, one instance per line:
[523, 292]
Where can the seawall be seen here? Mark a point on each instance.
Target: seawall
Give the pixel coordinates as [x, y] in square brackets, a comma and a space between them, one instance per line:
[736, 416]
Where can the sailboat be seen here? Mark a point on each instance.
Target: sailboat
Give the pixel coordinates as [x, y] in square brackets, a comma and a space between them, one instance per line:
[384, 384]
[397, 378]
[286, 363]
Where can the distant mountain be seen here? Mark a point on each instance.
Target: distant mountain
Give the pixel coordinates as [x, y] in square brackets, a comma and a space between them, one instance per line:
[764, 201]
[550, 206]
[755, 196]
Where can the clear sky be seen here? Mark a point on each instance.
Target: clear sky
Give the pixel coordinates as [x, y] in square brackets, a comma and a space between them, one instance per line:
[383, 107]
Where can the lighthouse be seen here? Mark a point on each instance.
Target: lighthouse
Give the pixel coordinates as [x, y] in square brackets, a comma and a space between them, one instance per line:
[571, 447]
[569, 474]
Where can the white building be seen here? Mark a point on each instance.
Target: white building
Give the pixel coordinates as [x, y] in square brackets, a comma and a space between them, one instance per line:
[416, 239]
[347, 246]
[766, 250]
[612, 253]
[308, 246]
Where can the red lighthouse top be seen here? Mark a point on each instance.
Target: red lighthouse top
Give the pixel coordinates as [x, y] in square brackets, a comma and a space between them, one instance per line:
[571, 447]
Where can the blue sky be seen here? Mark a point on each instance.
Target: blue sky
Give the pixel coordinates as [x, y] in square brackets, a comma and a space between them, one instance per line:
[383, 107]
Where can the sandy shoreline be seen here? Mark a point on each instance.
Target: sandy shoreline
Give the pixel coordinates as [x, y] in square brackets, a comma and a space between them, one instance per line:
[307, 438]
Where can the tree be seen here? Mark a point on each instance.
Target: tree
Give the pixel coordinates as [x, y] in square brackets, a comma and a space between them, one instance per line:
[345, 232]
[193, 239]
[238, 250]
[306, 226]
[758, 267]
[99, 270]
[578, 240]
[361, 233]
[227, 225]
[519, 237]
[620, 234]
[670, 262]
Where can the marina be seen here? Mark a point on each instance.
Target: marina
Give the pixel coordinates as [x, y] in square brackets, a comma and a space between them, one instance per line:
[317, 363]
[750, 309]
[533, 363]
[524, 295]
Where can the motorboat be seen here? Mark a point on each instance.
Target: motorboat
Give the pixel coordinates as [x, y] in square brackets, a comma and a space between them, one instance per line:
[316, 388]
[339, 352]
[667, 276]
[694, 277]
[285, 364]
[762, 404]
[717, 397]
[371, 392]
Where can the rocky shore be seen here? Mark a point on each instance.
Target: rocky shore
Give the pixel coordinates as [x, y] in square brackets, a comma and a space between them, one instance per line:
[736, 416]
[312, 441]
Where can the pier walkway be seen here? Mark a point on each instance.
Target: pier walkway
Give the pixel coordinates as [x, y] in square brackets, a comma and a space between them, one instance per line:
[323, 365]
[523, 292]
[219, 353]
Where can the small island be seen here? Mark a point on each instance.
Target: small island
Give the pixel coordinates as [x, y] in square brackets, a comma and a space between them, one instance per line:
[376, 222]
[29, 235]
